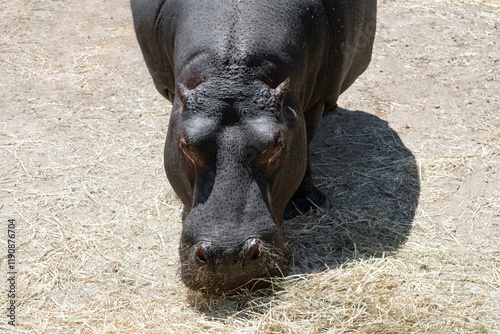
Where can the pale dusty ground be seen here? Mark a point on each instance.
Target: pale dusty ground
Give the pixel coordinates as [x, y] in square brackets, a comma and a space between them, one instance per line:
[81, 141]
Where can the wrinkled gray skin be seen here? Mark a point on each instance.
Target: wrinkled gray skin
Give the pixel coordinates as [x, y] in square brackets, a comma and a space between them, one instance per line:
[249, 81]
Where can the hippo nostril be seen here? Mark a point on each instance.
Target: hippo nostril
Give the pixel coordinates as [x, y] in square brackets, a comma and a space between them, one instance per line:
[253, 249]
[255, 253]
[201, 255]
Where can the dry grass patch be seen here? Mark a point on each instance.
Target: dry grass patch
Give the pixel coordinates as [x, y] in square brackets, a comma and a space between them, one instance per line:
[384, 295]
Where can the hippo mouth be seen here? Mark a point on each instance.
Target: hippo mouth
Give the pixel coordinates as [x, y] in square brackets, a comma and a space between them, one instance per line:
[235, 270]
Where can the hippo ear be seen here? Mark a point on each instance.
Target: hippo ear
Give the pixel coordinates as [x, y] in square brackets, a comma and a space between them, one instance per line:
[281, 91]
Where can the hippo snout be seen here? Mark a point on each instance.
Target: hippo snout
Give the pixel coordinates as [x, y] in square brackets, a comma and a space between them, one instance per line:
[216, 268]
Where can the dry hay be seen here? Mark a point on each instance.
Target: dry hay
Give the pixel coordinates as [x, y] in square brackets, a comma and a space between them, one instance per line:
[410, 163]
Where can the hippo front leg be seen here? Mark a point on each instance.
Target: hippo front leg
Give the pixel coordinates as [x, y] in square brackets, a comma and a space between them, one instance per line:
[308, 196]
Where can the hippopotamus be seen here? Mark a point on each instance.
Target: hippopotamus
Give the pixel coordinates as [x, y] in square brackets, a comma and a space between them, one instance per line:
[249, 81]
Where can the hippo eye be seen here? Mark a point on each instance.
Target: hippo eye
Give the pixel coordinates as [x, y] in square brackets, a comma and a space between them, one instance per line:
[278, 142]
[277, 150]
[271, 155]
[192, 158]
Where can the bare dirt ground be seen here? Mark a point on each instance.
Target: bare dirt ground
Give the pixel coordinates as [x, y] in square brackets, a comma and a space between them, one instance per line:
[411, 162]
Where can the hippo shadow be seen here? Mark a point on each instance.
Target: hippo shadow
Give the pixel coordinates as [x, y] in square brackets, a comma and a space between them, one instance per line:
[372, 181]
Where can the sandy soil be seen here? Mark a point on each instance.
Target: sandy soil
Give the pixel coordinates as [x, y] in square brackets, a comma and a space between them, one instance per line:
[411, 162]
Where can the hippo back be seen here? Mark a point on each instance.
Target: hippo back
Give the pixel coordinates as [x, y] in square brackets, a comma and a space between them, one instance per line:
[322, 45]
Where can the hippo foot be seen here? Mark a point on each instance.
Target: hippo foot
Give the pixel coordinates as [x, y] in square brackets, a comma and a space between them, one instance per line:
[301, 203]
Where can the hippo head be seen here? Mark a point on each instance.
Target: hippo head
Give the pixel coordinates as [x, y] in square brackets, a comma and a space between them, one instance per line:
[235, 153]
